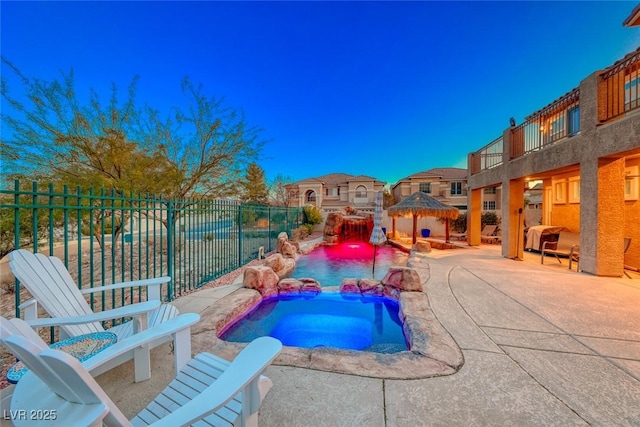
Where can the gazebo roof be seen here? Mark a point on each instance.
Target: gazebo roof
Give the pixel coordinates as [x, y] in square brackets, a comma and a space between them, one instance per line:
[421, 204]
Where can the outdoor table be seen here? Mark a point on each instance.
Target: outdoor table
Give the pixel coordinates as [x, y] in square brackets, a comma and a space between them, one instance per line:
[82, 347]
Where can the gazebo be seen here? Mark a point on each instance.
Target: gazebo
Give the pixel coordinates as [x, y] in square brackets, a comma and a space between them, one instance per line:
[421, 204]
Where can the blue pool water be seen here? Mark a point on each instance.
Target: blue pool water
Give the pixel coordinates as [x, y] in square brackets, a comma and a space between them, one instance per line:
[327, 319]
[329, 264]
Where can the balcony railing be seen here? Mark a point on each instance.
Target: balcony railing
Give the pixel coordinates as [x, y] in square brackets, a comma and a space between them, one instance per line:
[619, 88]
[557, 120]
[487, 157]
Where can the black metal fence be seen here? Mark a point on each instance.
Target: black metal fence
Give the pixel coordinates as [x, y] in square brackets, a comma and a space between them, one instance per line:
[107, 238]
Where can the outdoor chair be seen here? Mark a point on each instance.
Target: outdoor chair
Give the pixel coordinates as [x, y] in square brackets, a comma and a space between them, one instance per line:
[51, 286]
[207, 388]
[568, 245]
[488, 234]
[627, 243]
[179, 328]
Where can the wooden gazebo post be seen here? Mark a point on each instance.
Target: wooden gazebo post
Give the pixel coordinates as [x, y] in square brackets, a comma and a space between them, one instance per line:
[446, 231]
[415, 226]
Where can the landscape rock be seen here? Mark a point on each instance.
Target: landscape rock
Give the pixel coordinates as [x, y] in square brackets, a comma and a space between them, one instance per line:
[289, 286]
[261, 278]
[288, 250]
[310, 285]
[274, 261]
[333, 224]
[349, 286]
[371, 287]
[282, 238]
[422, 246]
[403, 279]
[289, 266]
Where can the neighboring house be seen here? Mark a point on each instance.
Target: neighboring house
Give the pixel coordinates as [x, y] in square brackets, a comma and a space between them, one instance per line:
[448, 185]
[335, 191]
[585, 149]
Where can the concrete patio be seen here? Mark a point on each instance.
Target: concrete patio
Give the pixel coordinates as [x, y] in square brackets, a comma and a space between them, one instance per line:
[542, 346]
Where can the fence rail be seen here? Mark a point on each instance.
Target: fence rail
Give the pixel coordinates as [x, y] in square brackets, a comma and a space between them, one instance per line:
[489, 156]
[619, 88]
[106, 238]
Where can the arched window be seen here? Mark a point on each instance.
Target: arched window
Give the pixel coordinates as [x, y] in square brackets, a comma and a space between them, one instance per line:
[361, 191]
[310, 196]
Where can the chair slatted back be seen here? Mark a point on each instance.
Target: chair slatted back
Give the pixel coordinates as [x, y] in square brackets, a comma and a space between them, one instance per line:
[65, 376]
[566, 240]
[489, 230]
[49, 282]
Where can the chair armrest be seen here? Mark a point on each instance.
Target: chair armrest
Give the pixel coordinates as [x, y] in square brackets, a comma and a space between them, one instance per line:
[550, 243]
[244, 371]
[132, 284]
[575, 250]
[170, 327]
[153, 284]
[126, 311]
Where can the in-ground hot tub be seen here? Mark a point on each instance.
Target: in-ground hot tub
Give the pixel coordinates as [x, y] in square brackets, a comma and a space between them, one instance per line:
[328, 319]
[432, 352]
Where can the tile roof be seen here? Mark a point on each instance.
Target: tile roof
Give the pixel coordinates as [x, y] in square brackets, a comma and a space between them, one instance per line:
[340, 178]
[441, 173]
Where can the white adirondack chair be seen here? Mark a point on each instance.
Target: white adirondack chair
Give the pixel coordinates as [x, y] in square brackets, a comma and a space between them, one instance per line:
[179, 328]
[51, 286]
[208, 389]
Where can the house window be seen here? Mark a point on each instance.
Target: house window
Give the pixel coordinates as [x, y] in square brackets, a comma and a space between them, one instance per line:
[631, 91]
[489, 205]
[425, 187]
[490, 190]
[574, 190]
[311, 196]
[560, 192]
[361, 191]
[456, 188]
[631, 183]
[574, 119]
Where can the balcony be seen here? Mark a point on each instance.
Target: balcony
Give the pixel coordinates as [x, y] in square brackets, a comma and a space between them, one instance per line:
[554, 122]
[487, 157]
[619, 88]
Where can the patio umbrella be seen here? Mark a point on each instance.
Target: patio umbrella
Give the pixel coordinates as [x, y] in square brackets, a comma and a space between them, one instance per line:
[421, 204]
[377, 235]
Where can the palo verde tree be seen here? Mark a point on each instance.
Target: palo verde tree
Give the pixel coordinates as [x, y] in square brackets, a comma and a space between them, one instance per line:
[197, 151]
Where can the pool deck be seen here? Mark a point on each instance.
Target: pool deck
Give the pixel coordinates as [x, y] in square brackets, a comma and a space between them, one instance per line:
[542, 345]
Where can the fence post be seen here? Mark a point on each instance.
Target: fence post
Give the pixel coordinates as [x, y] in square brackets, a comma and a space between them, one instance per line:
[240, 257]
[16, 238]
[269, 224]
[170, 230]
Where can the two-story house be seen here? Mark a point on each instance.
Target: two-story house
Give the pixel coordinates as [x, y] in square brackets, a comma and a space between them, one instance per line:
[446, 184]
[585, 149]
[335, 191]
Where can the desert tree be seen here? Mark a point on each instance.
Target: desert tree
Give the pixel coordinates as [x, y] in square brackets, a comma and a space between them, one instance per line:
[279, 192]
[196, 151]
[254, 186]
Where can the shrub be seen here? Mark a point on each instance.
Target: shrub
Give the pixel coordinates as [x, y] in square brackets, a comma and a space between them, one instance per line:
[312, 216]
[489, 218]
[459, 225]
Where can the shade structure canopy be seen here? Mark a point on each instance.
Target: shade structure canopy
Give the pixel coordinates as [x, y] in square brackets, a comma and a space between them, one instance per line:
[421, 204]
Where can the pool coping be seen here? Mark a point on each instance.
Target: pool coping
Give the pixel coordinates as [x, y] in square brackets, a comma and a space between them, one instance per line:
[432, 353]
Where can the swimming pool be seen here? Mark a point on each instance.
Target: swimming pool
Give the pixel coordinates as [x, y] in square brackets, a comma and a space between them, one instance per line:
[329, 264]
[327, 319]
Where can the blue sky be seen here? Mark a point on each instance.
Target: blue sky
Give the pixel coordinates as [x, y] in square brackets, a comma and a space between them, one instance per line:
[385, 89]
